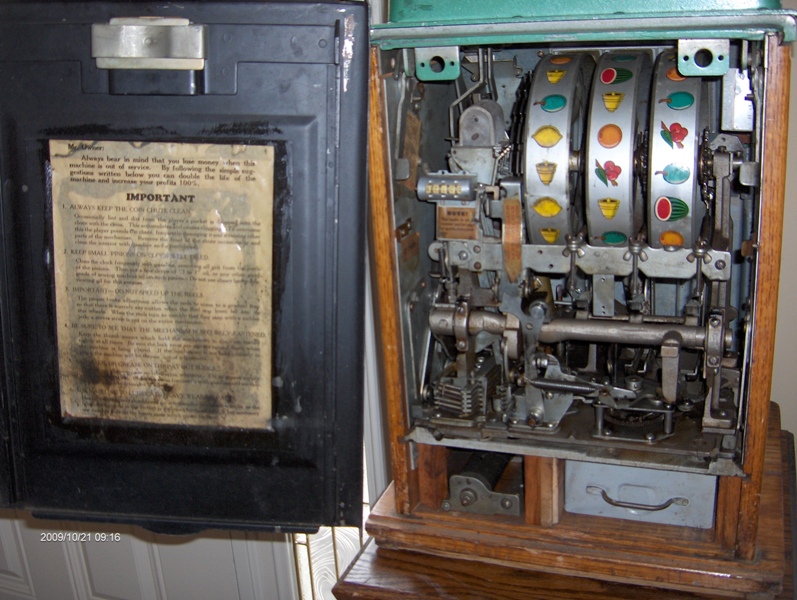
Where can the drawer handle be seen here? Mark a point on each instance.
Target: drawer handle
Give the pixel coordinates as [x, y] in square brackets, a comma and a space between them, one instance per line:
[594, 489]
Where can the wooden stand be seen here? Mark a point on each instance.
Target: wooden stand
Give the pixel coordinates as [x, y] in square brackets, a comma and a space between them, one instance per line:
[572, 557]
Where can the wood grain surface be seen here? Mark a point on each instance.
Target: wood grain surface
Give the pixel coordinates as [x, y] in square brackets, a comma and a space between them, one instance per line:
[387, 309]
[677, 558]
[773, 181]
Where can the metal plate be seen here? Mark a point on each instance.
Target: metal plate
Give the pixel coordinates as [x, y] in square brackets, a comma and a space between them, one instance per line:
[703, 57]
[289, 76]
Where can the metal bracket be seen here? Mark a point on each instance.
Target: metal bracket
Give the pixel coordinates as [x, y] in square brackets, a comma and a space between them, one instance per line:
[149, 43]
[703, 57]
[468, 494]
[437, 64]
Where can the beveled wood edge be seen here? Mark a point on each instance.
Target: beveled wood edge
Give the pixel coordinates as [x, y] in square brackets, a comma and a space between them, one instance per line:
[773, 182]
[385, 278]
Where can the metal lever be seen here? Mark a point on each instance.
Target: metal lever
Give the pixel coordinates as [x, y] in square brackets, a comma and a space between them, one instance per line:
[594, 489]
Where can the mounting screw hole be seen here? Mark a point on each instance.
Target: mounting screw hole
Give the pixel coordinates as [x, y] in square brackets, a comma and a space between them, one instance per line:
[437, 64]
[703, 58]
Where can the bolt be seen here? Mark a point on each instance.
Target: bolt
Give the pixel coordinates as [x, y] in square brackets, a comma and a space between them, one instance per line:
[477, 266]
[462, 344]
[634, 382]
[719, 265]
[446, 505]
[463, 255]
[506, 503]
[467, 497]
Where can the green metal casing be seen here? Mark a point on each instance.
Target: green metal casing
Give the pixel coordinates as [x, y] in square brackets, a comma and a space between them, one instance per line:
[418, 23]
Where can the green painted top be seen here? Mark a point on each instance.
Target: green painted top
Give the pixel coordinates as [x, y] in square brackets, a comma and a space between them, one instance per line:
[414, 23]
[428, 12]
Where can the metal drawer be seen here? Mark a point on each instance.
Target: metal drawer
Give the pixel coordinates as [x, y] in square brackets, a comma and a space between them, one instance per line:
[649, 495]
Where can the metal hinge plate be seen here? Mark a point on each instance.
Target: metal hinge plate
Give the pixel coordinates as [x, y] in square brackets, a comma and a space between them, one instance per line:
[149, 43]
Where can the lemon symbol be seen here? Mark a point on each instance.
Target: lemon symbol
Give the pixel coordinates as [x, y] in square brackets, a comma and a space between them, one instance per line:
[547, 207]
[547, 136]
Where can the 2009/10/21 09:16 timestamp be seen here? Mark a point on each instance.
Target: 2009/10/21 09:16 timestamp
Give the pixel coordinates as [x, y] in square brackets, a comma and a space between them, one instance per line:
[79, 536]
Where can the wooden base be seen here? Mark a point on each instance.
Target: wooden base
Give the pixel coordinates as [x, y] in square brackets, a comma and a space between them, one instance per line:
[676, 558]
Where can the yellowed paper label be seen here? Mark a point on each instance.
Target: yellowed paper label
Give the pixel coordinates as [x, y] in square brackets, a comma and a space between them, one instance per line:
[512, 238]
[457, 223]
[163, 269]
[412, 148]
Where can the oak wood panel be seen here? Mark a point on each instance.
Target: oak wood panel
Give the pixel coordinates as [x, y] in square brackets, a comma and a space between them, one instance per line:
[432, 474]
[773, 181]
[381, 574]
[544, 491]
[729, 493]
[387, 309]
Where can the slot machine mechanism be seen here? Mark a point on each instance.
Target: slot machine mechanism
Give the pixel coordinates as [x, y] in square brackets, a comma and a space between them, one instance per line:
[589, 280]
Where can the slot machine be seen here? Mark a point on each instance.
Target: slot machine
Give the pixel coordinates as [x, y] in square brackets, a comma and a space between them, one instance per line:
[577, 221]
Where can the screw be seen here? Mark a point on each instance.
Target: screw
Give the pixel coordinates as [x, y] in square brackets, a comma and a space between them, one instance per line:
[713, 361]
[650, 437]
[719, 265]
[463, 255]
[477, 266]
[477, 249]
[506, 504]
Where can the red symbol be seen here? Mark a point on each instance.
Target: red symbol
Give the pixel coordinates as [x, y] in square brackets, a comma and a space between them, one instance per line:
[674, 135]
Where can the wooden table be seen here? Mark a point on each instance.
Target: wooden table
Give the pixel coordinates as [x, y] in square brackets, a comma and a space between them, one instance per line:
[379, 573]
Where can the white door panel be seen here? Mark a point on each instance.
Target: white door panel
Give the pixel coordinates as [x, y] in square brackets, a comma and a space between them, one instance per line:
[141, 565]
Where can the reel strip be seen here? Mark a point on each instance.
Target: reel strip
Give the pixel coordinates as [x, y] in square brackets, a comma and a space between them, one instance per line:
[618, 118]
[675, 211]
[553, 138]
